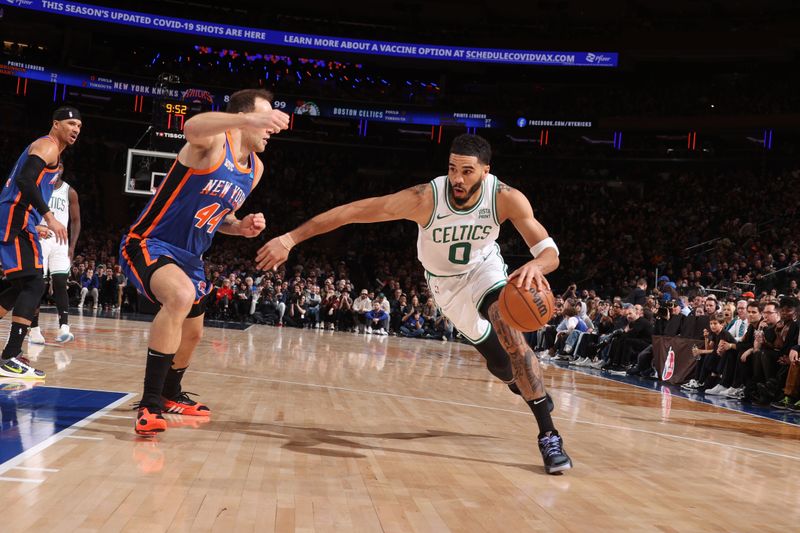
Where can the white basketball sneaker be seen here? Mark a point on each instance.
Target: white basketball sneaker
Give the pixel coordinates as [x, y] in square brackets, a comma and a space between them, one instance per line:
[35, 336]
[19, 367]
[64, 335]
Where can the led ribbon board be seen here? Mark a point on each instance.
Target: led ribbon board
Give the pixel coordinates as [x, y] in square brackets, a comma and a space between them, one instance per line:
[319, 42]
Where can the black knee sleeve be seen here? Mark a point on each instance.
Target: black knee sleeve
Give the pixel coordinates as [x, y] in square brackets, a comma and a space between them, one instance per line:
[497, 360]
[60, 291]
[9, 296]
[31, 289]
[487, 302]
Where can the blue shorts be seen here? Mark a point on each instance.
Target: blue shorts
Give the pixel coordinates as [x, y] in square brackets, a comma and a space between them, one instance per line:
[21, 255]
[140, 258]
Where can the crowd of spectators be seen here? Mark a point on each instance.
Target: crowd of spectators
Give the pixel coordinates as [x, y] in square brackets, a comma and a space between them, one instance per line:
[726, 233]
[706, 232]
[746, 350]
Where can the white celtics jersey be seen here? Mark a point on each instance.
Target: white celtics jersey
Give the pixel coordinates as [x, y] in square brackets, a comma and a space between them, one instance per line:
[455, 241]
[59, 204]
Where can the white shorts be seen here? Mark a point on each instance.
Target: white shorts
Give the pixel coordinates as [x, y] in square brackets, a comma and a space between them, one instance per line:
[55, 257]
[460, 296]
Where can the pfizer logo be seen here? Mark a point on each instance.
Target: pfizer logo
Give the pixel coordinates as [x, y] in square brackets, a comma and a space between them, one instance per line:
[597, 58]
[522, 122]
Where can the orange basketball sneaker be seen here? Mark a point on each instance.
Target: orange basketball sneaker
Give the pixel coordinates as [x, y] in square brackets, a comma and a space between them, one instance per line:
[183, 405]
[149, 421]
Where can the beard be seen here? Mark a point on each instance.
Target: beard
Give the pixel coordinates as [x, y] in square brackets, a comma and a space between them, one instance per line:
[461, 201]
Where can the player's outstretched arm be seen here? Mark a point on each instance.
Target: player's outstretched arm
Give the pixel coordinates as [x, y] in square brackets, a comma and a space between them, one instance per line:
[202, 130]
[514, 206]
[415, 203]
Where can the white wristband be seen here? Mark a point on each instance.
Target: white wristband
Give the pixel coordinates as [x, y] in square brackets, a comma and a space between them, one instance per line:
[540, 246]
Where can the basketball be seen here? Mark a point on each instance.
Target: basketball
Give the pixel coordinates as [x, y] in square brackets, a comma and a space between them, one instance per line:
[526, 310]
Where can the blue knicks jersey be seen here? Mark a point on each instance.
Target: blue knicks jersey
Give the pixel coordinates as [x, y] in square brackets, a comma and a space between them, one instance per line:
[15, 214]
[189, 205]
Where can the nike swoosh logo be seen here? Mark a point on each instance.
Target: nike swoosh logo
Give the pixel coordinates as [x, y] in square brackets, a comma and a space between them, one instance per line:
[16, 370]
[154, 354]
[438, 217]
[540, 401]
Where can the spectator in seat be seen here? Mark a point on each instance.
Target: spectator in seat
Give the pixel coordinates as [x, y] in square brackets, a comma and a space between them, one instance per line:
[74, 284]
[738, 327]
[241, 301]
[122, 282]
[108, 288]
[361, 305]
[445, 326]
[710, 305]
[397, 313]
[297, 312]
[791, 390]
[381, 299]
[429, 315]
[765, 354]
[377, 319]
[328, 309]
[224, 297]
[571, 322]
[314, 301]
[344, 315]
[736, 368]
[90, 285]
[414, 326]
[788, 332]
[638, 295]
[253, 294]
[709, 368]
[635, 337]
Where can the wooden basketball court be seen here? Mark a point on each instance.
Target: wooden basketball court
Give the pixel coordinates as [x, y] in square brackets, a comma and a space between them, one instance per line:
[322, 431]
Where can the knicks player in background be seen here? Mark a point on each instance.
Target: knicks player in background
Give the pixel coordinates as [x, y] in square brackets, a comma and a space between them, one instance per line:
[459, 217]
[23, 205]
[57, 257]
[161, 255]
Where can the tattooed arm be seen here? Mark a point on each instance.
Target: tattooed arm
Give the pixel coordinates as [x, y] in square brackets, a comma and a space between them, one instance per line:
[415, 204]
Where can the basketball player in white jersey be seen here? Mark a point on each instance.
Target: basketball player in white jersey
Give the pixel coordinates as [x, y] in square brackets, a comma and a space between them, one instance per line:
[459, 217]
[57, 257]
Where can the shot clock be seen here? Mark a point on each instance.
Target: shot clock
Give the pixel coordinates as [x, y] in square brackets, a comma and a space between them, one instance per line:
[173, 115]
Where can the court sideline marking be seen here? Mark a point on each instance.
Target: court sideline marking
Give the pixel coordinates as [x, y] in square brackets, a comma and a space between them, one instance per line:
[475, 406]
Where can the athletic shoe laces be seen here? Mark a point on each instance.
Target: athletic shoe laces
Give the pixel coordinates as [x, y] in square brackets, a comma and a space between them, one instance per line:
[183, 397]
[23, 360]
[550, 445]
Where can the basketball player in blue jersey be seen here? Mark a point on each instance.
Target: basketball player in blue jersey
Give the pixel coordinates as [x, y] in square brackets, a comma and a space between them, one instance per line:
[23, 205]
[459, 217]
[162, 252]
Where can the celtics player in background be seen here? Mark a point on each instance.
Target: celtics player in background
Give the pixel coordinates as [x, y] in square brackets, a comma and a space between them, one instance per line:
[459, 217]
[57, 257]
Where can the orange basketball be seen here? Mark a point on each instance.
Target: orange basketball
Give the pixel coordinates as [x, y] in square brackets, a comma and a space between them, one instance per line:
[525, 310]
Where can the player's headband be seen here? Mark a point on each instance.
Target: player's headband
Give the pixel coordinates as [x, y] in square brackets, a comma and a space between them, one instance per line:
[66, 113]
